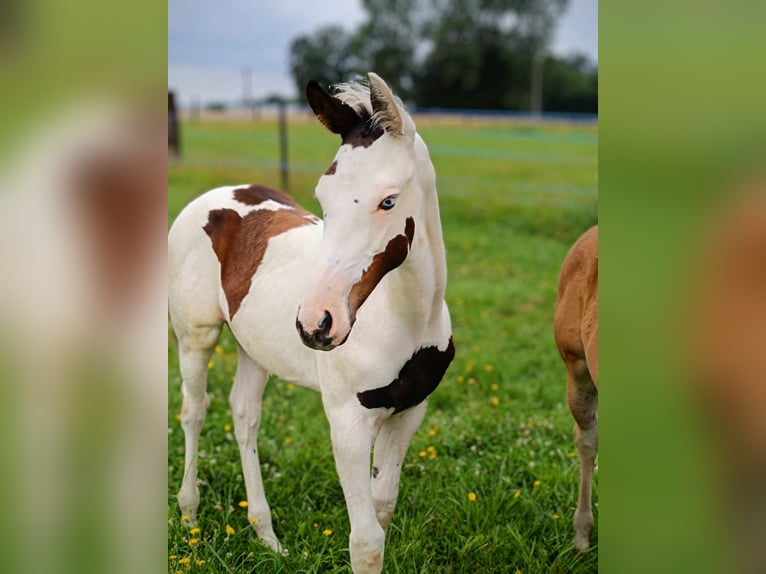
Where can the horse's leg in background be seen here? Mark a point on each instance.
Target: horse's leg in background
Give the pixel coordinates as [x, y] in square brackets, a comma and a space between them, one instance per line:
[352, 432]
[245, 400]
[390, 448]
[582, 396]
[195, 346]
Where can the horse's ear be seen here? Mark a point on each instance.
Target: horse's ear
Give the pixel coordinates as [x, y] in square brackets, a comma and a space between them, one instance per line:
[336, 116]
[384, 106]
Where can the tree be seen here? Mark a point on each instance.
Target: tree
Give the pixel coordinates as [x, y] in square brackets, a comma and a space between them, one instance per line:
[326, 56]
[480, 54]
[385, 43]
[537, 20]
[571, 85]
[480, 57]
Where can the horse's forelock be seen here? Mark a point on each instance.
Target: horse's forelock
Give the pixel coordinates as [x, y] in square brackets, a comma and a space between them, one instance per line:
[357, 95]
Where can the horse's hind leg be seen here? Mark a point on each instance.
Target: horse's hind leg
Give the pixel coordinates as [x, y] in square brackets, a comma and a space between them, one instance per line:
[390, 448]
[195, 346]
[582, 397]
[245, 400]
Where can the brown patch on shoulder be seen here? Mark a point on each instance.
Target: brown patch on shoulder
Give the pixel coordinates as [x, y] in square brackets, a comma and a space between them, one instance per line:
[417, 379]
[256, 194]
[393, 256]
[240, 243]
[331, 169]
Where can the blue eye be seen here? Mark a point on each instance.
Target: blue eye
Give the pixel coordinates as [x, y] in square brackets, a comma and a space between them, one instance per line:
[388, 203]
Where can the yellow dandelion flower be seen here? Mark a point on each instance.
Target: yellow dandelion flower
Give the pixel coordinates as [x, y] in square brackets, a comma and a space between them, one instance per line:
[422, 454]
[179, 572]
[172, 557]
[495, 400]
[193, 541]
[315, 525]
[572, 454]
[494, 386]
[460, 378]
[185, 560]
[472, 496]
[471, 381]
[229, 530]
[194, 531]
[489, 368]
[218, 350]
[432, 456]
[556, 517]
[210, 364]
[199, 562]
[288, 440]
[432, 432]
[469, 367]
[185, 518]
[254, 520]
[227, 427]
[431, 448]
[517, 494]
[243, 503]
[536, 483]
[327, 532]
[290, 387]
[518, 572]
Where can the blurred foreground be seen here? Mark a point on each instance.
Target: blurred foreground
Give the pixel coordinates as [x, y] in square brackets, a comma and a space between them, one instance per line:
[82, 293]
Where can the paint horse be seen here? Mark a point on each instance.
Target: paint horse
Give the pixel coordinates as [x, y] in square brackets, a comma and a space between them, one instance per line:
[576, 333]
[352, 306]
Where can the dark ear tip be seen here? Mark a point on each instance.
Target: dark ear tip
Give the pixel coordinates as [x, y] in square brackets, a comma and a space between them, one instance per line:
[313, 86]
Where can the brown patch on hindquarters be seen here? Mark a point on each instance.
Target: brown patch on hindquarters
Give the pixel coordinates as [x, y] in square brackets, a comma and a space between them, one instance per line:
[240, 243]
[390, 258]
[417, 379]
[331, 169]
[257, 194]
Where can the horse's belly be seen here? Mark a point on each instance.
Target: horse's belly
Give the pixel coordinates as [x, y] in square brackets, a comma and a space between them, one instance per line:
[264, 325]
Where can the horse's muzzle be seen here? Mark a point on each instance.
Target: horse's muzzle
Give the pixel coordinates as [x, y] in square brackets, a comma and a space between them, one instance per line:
[320, 338]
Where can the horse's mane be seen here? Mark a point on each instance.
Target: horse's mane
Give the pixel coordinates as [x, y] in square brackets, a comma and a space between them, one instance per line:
[357, 95]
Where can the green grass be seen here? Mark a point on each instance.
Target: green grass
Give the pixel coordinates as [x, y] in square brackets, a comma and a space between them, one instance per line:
[513, 199]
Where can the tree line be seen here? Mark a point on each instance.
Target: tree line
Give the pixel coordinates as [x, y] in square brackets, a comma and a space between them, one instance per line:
[472, 54]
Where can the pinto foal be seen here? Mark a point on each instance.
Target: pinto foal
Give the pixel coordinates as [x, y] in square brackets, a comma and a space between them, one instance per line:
[576, 332]
[352, 306]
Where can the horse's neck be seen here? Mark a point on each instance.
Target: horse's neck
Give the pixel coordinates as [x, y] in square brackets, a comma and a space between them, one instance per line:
[425, 269]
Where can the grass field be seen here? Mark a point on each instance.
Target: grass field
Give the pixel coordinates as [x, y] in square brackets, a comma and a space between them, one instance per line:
[513, 199]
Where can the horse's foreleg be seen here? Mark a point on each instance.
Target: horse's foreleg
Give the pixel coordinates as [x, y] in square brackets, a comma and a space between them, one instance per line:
[245, 400]
[390, 448]
[195, 348]
[352, 431]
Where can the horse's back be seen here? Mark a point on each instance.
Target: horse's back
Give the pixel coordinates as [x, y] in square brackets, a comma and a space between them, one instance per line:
[576, 321]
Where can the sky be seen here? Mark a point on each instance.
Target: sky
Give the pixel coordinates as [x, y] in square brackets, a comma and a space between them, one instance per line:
[209, 43]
